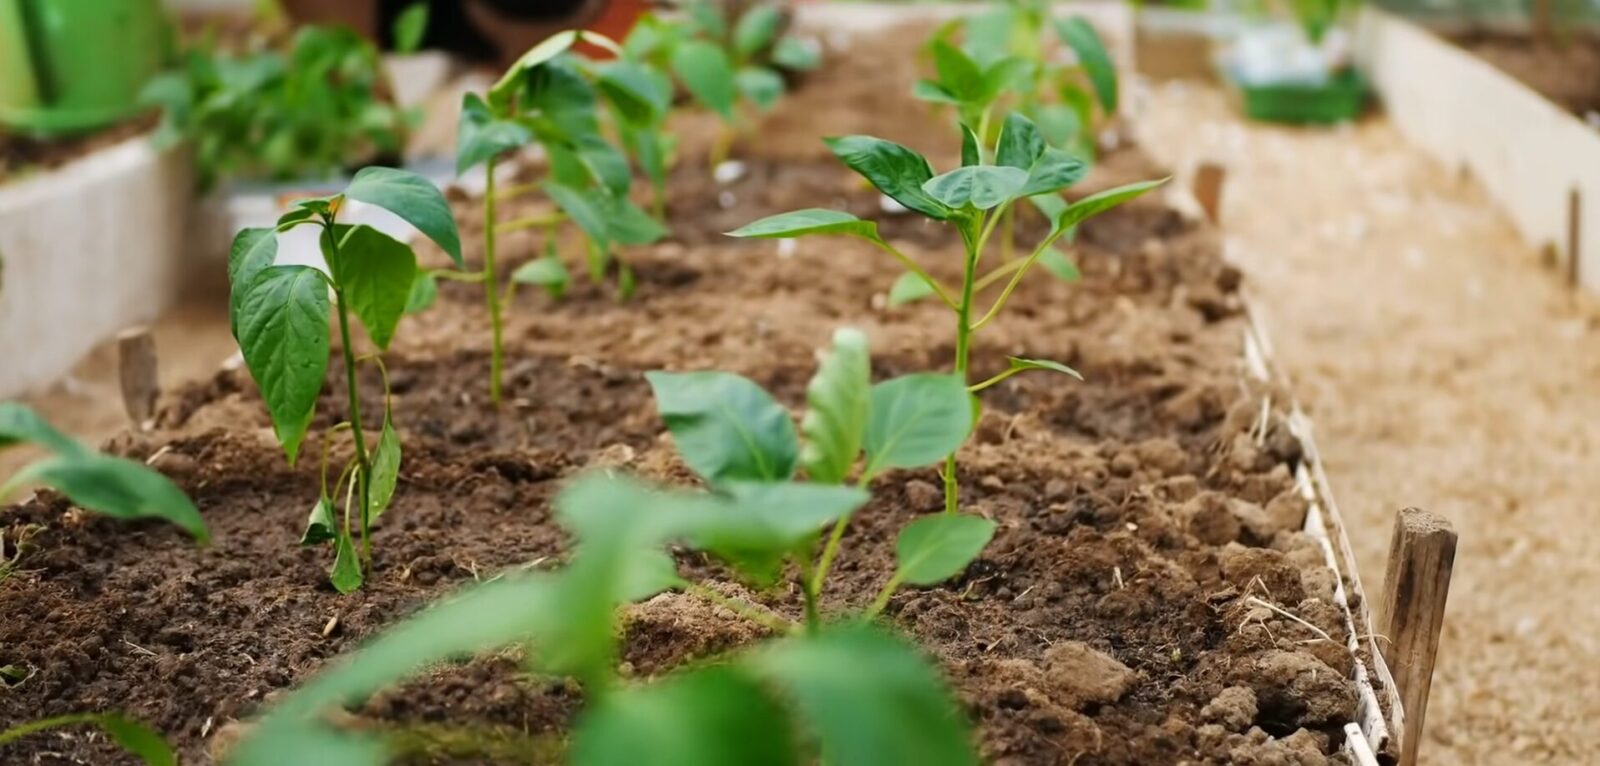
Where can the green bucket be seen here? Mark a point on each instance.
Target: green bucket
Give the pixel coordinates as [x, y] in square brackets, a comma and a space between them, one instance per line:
[70, 66]
[1341, 99]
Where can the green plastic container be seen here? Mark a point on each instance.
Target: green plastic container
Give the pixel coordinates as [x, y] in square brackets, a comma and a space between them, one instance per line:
[69, 66]
[1341, 99]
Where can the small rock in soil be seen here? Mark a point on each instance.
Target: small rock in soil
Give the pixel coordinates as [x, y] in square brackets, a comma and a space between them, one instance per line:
[923, 496]
[1252, 569]
[1086, 675]
[1234, 708]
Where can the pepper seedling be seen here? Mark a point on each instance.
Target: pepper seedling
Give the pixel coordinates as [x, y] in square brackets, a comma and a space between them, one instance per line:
[114, 486]
[545, 99]
[344, 246]
[972, 199]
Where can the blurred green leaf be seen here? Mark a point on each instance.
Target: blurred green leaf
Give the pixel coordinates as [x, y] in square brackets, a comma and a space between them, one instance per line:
[725, 426]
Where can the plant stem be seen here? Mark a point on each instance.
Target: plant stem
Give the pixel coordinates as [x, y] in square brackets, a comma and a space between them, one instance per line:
[745, 609]
[952, 490]
[829, 552]
[457, 276]
[529, 222]
[658, 199]
[884, 595]
[363, 466]
[23, 730]
[491, 289]
[813, 619]
[1008, 232]
[914, 268]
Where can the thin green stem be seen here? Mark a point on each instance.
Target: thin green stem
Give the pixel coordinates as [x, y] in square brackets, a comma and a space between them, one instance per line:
[529, 222]
[658, 198]
[18, 732]
[1016, 279]
[363, 464]
[1008, 233]
[829, 552]
[327, 448]
[914, 268]
[976, 387]
[516, 190]
[884, 595]
[952, 489]
[759, 615]
[491, 290]
[996, 275]
[458, 276]
[813, 617]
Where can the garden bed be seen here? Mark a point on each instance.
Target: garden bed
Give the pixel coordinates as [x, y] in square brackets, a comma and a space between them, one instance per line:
[1149, 597]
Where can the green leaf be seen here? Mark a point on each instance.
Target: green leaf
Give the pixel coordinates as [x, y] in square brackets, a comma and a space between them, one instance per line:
[755, 526]
[836, 418]
[1053, 171]
[710, 716]
[707, 74]
[628, 224]
[283, 332]
[707, 15]
[932, 92]
[1003, 75]
[761, 85]
[548, 272]
[502, 92]
[424, 293]
[1096, 204]
[253, 251]
[346, 573]
[797, 55]
[375, 273]
[116, 487]
[635, 94]
[410, 27]
[1059, 123]
[321, 524]
[20, 424]
[971, 152]
[958, 73]
[558, 94]
[586, 208]
[908, 288]
[987, 35]
[800, 223]
[933, 549]
[867, 697]
[979, 186]
[138, 739]
[726, 427]
[893, 169]
[480, 136]
[1078, 34]
[1058, 264]
[1019, 363]
[412, 197]
[1020, 142]
[756, 28]
[385, 470]
[916, 420]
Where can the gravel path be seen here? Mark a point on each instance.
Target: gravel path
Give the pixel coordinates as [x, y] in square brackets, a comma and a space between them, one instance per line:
[1445, 368]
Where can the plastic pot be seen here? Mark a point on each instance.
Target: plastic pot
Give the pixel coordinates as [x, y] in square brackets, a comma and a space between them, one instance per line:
[76, 65]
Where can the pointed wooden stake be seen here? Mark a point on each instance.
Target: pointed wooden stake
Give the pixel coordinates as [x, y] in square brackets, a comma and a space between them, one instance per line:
[1411, 614]
[137, 370]
[1207, 189]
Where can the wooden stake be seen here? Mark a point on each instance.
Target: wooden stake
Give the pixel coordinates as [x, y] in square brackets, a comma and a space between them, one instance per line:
[137, 369]
[1207, 189]
[1574, 236]
[1411, 614]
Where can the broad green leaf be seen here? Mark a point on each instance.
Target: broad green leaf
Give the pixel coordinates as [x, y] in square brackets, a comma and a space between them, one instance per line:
[762, 86]
[893, 169]
[1058, 264]
[756, 28]
[836, 418]
[707, 74]
[1096, 204]
[916, 420]
[1051, 206]
[987, 35]
[478, 617]
[726, 427]
[933, 549]
[138, 739]
[628, 224]
[548, 272]
[707, 16]
[503, 91]
[602, 163]
[650, 34]
[346, 574]
[283, 332]
[867, 698]
[410, 27]
[633, 92]
[321, 525]
[119, 488]
[1005, 74]
[1053, 171]
[710, 716]
[558, 94]
[385, 470]
[908, 288]
[971, 151]
[958, 73]
[424, 293]
[253, 251]
[586, 208]
[19, 424]
[800, 223]
[1059, 123]
[1019, 363]
[415, 199]
[797, 55]
[979, 186]
[481, 137]
[1081, 36]
[375, 273]
[932, 92]
[1021, 144]
[755, 526]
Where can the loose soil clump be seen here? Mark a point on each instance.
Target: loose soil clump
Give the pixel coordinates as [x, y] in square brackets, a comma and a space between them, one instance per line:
[1147, 517]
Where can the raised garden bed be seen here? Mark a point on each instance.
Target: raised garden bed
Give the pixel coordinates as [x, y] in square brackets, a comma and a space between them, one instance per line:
[1149, 598]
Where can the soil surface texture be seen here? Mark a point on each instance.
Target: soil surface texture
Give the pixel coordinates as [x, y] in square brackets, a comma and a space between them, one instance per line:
[1148, 598]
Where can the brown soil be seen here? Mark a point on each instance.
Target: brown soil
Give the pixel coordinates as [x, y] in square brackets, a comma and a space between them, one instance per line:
[1110, 622]
[1565, 71]
[22, 155]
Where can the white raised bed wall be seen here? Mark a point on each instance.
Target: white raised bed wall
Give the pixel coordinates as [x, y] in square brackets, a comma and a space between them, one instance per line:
[1529, 153]
[87, 249]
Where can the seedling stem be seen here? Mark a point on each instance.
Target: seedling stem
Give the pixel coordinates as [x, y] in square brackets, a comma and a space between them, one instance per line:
[491, 288]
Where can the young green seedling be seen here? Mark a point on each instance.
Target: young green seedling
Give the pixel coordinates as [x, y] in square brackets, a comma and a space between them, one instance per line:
[139, 740]
[846, 693]
[282, 277]
[732, 433]
[113, 486]
[971, 199]
[545, 99]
